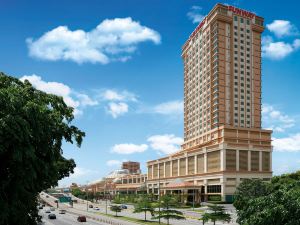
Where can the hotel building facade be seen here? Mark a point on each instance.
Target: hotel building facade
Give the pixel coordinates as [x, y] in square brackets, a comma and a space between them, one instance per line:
[223, 139]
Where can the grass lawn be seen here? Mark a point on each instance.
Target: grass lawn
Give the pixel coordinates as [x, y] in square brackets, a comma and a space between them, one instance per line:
[139, 221]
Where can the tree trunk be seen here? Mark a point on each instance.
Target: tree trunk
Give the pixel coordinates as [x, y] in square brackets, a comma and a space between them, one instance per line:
[145, 215]
[168, 221]
[214, 222]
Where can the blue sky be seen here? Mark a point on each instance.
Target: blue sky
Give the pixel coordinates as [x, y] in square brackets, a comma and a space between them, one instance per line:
[118, 64]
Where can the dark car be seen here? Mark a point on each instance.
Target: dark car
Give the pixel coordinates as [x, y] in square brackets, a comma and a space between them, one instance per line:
[91, 206]
[52, 216]
[81, 219]
[124, 206]
[40, 207]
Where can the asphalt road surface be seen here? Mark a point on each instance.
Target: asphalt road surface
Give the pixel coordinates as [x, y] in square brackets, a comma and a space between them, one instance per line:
[64, 219]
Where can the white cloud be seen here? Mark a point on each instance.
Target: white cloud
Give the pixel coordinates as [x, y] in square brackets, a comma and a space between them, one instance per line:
[276, 120]
[195, 14]
[129, 148]
[81, 172]
[291, 143]
[113, 95]
[117, 109]
[165, 144]
[277, 50]
[112, 40]
[113, 163]
[71, 98]
[168, 108]
[117, 101]
[282, 28]
[280, 49]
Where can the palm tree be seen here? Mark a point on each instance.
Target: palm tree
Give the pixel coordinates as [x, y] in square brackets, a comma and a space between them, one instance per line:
[144, 205]
[116, 209]
[168, 201]
[217, 213]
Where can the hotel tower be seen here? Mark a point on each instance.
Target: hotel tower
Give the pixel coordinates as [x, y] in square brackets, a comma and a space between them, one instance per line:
[223, 139]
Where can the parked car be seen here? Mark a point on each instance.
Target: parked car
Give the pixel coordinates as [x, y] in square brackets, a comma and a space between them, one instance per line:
[40, 207]
[47, 196]
[96, 208]
[51, 216]
[47, 211]
[124, 206]
[62, 211]
[81, 219]
[52, 208]
[91, 206]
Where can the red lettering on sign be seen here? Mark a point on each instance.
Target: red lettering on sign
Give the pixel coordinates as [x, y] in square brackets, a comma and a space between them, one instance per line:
[241, 12]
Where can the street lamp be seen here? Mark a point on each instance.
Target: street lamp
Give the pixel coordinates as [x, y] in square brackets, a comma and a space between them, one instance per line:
[193, 191]
[159, 194]
[86, 189]
[105, 197]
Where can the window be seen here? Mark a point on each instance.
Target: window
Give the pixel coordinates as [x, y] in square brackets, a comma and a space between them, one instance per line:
[235, 18]
[213, 188]
[242, 20]
[248, 22]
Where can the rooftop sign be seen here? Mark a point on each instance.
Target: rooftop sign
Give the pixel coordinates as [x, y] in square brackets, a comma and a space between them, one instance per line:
[241, 12]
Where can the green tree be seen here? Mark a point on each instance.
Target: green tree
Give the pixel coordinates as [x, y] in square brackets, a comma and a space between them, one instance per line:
[280, 206]
[144, 205]
[216, 213]
[33, 126]
[248, 190]
[116, 209]
[77, 192]
[168, 201]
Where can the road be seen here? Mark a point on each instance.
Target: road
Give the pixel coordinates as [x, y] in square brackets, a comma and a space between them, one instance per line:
[192, 216]
[64, 219]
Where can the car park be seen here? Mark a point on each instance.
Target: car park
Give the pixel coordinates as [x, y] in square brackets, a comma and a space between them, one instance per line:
[51, 216]
[81, 219]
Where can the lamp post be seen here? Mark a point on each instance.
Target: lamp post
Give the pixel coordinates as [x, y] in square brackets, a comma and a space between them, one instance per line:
[193, 191]
[105, 198]
[159, 194]
[86, 190]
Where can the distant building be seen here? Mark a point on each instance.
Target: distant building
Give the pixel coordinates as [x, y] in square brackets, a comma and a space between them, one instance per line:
[127, 180]
[133, 167]
[223, 139]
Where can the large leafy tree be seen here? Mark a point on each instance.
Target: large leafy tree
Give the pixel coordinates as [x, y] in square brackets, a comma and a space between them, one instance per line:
[247, 190]
[278, 203]
[144, 205]
[33, 126]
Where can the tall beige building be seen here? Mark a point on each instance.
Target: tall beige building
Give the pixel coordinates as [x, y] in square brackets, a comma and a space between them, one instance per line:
[223, 139]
